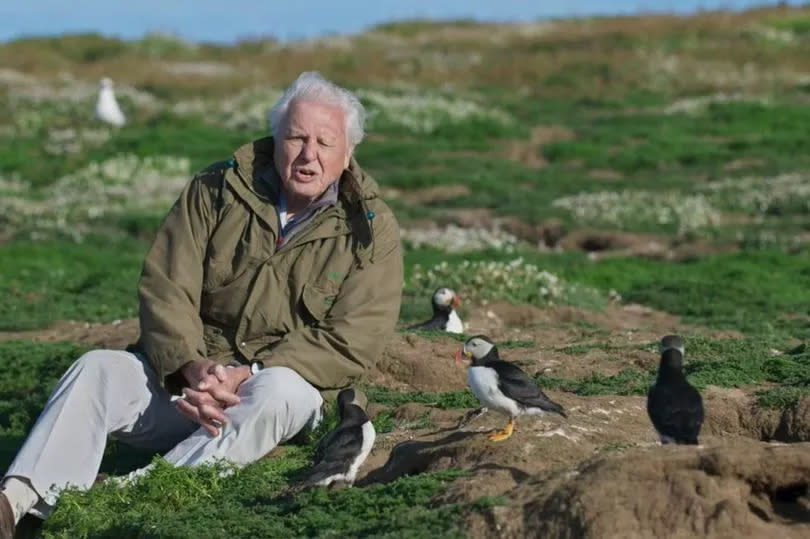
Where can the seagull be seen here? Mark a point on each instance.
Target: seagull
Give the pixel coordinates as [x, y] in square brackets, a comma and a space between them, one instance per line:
[445, 318]
[502, 386]
[107, 109]
[343, 450]
[674, 406]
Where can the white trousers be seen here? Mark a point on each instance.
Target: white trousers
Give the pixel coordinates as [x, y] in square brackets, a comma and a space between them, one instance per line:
[116, 393]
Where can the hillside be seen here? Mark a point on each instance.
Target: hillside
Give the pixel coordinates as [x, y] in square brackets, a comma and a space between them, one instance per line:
[587, 185]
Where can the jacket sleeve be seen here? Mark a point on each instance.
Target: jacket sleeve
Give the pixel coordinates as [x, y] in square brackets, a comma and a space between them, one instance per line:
[170, 286]
[361, 321]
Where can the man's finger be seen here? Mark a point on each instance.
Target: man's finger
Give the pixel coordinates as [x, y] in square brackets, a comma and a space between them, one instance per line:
[208, 381]
[219, 372]
[187, 410]
[224, 396]
[198, 398]
[212, 413]
[193, 413]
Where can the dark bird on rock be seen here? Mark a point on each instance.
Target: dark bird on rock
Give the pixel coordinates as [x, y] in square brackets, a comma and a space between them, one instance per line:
[342, 451]
[674, 406]
[502, 386]
[445, 318]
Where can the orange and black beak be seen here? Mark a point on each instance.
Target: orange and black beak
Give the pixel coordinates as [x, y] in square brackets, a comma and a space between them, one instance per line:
[456, 301]
[459, 362]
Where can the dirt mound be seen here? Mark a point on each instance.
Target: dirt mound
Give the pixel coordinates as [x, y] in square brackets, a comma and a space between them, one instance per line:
[413, 363]
[416, 363]
[748, 489]
[732, 411]
[539, 443]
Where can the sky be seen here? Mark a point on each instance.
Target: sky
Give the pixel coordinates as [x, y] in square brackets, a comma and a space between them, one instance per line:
[231, 20]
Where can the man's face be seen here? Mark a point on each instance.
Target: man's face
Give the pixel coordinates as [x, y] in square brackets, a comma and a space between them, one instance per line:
[312, 150]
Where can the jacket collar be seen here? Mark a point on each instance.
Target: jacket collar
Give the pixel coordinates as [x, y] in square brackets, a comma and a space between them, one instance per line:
[355, 189]
[255, 164]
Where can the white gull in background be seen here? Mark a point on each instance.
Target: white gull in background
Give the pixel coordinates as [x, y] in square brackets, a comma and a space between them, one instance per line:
[107, 109]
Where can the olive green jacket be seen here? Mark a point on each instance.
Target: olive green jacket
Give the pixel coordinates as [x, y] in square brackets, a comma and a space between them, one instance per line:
[215, 285]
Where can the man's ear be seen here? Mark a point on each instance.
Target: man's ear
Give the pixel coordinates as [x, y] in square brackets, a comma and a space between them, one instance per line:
[348, 157]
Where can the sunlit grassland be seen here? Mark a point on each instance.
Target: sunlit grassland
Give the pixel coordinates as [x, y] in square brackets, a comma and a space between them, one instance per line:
[685, 129]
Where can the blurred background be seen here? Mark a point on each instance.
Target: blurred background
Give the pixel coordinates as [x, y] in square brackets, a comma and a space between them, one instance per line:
[556, 130]
[219, 22]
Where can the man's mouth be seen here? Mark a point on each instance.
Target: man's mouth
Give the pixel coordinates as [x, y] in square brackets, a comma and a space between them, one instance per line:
[304, 174]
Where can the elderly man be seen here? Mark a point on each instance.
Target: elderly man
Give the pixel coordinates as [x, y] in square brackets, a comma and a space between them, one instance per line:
[274, 279]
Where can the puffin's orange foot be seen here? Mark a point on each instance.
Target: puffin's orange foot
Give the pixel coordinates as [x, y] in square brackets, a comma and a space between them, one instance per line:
[501, 435]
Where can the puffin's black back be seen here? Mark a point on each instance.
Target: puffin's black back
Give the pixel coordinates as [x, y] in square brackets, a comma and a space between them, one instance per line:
[441, 314]
[674, 406]
[516, 385]
[340, 447]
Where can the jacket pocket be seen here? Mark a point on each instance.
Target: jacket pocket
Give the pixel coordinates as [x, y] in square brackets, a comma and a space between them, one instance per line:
[316, 301]
[224, 302]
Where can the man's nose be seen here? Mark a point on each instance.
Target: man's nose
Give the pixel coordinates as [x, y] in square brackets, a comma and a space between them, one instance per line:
[309, 151]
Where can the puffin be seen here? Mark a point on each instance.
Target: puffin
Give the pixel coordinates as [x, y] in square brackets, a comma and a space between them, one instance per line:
[502, 386]
[445, 318]
[342, 451]
[675, 407]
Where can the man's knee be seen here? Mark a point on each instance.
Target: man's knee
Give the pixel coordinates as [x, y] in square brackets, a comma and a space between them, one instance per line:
[107, 364]
[284, 387]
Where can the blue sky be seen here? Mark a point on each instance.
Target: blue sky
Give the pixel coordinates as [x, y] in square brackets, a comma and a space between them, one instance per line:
[229, 20]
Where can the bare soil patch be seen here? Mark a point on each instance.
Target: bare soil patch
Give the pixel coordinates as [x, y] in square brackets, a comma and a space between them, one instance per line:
[606, 243]
[114, 335]
[528, 152]
[428, 195]
[605, 174]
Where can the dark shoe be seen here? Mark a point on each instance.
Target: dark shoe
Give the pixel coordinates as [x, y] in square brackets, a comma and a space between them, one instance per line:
[7, 524]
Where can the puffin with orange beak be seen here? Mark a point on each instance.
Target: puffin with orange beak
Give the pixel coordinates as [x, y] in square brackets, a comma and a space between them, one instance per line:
[502, 386]
[445, 318]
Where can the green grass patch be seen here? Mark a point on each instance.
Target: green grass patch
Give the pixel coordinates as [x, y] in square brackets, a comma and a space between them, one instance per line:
[253, 502]
[749, 291]
[450, 399]
[616, 447]
[29, 374]
[43, 282]
[626, 382]
[781, 397]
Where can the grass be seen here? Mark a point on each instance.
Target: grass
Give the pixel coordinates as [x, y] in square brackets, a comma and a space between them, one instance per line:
[450, 399]
[254, 501]
[781, 398]
[43, 282]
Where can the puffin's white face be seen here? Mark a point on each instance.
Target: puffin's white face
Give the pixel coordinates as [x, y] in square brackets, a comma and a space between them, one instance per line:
[106, 83]
[477, 348]
[445, 297]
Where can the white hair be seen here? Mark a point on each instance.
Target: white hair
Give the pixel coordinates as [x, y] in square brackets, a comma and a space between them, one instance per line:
[310, 85]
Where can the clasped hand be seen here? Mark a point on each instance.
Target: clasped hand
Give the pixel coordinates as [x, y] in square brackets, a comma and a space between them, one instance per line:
[212, 388]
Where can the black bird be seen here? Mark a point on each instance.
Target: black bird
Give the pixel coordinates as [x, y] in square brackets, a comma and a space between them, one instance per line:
[445, 318]
[502, 386]
[342, 451]
[674, 406]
